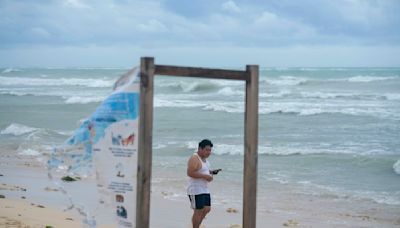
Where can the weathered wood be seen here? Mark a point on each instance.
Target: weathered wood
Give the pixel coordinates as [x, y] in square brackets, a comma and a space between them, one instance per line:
[148, 70]
[250, 149]
[200, 72]
[144, 163]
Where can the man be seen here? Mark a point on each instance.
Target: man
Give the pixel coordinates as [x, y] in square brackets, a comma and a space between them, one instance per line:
[199, 173]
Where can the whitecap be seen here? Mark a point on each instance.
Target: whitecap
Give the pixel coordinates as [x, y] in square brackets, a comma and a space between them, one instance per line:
[392, 96]
[228, 91]
[230, 107]
[176, 103]
[396, 167]
[90, 82]
[83, 100]
[287, 81]
[8, 70]
[362, 78]
[29, 152]
[17, 129]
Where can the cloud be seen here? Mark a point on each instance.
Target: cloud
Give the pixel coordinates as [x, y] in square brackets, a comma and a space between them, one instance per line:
[153, 26]
[230, 6]
[167, 24]
[271, 24]
[76, 4]
[40, 33]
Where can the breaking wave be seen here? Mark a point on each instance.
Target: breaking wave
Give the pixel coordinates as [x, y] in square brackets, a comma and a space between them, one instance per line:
[89, 82]
[396, 167]
[361, 78]
[17, 129]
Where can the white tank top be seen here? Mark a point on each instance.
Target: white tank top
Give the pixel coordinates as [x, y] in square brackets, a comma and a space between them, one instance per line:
[199, 185]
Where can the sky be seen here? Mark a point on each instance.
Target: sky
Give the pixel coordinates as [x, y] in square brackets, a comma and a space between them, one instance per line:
[233, 33]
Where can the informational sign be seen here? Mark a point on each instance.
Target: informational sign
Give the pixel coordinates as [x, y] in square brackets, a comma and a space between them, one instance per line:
[110, 141]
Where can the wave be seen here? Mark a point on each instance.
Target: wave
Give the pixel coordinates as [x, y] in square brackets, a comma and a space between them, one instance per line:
[90, 82]
[197, 85]
[290, 150]
[17, 129]
[380, 197]
[186, 87]
[29, 152]
[228, 91]
[332, 95]
[362, 78]
[9, 70]
[158, 103]
[84, 100]
[69, 97]
[392, 96]
[376, 112]
[288, 80]
[289, 108]
[285, 81]
[396, 167]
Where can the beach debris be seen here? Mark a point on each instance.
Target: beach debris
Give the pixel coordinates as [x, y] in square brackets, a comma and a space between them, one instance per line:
[291, 222]
[40, 206]
[51, 189]
[12, 188]
[71, 219]
[23, 197]
[49, 226]
[231, 210]
[68, 179]
[235, 226]
[363, 217]
[2, 196]
[1, 175]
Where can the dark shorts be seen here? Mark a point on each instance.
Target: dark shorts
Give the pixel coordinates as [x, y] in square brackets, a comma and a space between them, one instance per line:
[200, 201]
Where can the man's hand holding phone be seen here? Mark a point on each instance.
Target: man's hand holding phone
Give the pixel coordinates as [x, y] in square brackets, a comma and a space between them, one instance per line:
[215, 171]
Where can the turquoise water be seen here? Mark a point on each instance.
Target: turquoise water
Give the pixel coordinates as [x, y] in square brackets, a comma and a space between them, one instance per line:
[321, 130]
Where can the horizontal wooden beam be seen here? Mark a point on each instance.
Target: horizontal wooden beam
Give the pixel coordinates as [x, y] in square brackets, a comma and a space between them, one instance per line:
[201, 72]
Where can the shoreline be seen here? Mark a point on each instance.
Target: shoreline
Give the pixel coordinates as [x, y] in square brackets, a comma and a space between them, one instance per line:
[32, 200]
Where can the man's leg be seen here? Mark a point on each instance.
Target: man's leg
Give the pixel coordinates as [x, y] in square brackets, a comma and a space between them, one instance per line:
[198, 216]
[206, 210]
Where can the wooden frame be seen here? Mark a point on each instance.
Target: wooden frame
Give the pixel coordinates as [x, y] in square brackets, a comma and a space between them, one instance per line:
[144, 165]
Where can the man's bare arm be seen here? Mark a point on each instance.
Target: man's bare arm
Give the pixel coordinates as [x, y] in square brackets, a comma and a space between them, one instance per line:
[193, 167]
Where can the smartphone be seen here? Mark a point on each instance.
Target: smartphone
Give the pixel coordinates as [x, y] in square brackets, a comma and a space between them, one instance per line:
[215, 171]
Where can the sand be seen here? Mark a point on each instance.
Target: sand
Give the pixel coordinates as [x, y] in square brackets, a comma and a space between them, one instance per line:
[29, 199]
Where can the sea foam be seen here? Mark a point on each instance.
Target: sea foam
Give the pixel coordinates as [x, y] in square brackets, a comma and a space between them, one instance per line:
[89, 82]
[362, 78]
[83, 100]
[286, 81]
[396, 167]
[17, 129]
[8, 70]
[29, 152]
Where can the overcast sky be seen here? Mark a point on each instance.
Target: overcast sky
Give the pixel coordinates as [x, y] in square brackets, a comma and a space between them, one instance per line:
[281, 33]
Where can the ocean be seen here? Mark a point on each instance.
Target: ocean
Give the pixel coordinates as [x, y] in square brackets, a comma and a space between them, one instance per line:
[323, 132]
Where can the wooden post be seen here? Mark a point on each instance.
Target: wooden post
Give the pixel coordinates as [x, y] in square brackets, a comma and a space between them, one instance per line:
[147, 71]
[144, 162]
[250, 149]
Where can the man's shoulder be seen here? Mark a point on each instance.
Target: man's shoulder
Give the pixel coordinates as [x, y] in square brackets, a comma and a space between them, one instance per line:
[194, 159]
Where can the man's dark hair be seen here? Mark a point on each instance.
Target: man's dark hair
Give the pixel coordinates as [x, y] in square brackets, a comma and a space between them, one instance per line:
[204, 143]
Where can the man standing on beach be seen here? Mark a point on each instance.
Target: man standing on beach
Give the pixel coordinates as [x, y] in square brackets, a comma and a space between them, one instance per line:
[198, 170]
